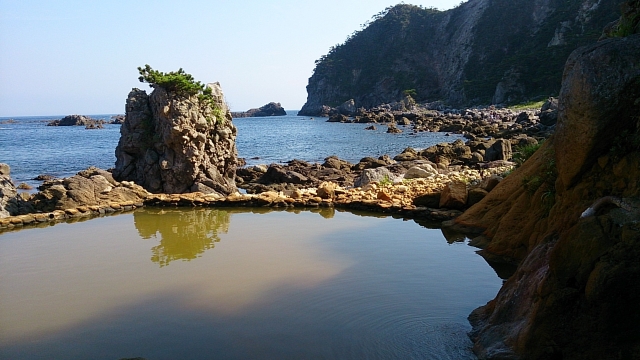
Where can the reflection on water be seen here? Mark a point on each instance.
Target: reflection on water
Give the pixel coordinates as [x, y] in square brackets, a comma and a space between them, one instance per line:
[278, 284]
[187, 234]
[184, 235]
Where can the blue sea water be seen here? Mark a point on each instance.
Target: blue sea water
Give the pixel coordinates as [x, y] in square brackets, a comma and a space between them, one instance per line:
[31, 148]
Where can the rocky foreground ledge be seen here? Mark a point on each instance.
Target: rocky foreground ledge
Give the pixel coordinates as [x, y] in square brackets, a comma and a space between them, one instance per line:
[429, 195]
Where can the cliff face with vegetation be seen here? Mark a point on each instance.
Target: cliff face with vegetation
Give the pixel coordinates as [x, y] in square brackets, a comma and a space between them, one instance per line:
[483, 51]
[570, 218]
[180, 138]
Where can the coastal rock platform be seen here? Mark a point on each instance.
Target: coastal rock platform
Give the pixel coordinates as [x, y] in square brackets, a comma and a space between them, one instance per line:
[418, 198]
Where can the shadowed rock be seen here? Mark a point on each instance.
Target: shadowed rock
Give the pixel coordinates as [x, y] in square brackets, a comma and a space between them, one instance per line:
[577, 286]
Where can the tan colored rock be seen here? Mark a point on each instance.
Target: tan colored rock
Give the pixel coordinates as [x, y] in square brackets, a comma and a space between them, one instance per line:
[267, 197]
[327, 190]
[454, 196]
[90, 187]
[383, 195]
[71, 212]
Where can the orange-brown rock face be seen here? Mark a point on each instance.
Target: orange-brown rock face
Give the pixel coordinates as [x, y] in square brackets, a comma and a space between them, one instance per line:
[570, 217]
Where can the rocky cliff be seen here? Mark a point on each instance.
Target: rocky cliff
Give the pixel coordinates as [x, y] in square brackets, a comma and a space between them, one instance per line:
[483, 51]
[569, 217]
[175, 143]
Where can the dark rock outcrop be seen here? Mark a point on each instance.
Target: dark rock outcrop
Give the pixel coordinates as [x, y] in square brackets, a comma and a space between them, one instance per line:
[576, 291]
[503, 51]
[172, 144]
[117, 119]
[76, 120]
[271, 109]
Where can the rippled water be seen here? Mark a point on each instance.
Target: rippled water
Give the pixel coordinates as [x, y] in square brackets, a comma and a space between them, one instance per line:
[233, 284]
[31, 148]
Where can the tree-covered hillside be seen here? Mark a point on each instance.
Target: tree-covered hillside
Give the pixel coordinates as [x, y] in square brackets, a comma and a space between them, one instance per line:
[483, 51]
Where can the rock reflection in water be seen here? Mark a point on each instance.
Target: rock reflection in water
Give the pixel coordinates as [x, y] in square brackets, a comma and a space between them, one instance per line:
[184, 235]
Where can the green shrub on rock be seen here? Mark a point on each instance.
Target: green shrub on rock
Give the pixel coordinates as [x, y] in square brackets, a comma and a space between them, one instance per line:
[523, 153]
[184, 85]
[178, 82]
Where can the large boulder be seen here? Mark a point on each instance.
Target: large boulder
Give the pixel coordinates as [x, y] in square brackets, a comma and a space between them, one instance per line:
[500, 150]
[8, 190]
[422, 171]
[593, 101]
[347, 108]
[89, 187]
[277, 174]
[548, 117]
[454, 196]
[374, 175]
[171, 143]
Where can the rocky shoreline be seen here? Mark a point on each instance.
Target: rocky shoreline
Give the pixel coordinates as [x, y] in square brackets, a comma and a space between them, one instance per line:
[436, 183]
[568, 218]
[473, 123]
[421, 192]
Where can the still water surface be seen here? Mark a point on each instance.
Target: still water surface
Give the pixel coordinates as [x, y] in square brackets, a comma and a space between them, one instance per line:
[236, 284]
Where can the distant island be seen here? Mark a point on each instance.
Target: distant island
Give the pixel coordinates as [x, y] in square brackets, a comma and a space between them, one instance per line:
[271, 109]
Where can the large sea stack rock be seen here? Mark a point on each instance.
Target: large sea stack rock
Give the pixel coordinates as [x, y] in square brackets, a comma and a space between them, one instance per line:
[8, 190]
[568, 217]
[173, 144]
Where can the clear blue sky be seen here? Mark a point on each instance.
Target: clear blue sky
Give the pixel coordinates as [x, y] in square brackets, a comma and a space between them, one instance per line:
[80, 57]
